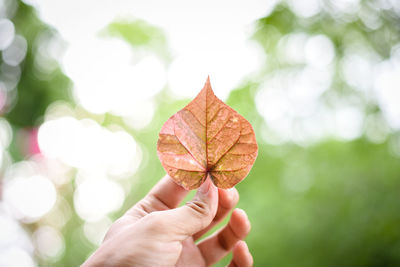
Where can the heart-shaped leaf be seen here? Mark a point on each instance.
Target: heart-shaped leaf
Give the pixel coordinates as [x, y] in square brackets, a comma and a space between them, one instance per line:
[207, 137]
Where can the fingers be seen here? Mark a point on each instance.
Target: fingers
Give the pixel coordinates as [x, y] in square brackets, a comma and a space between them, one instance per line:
[195, 215]
[221, 243]
[227, 199]
[166, 194]
[241, 256]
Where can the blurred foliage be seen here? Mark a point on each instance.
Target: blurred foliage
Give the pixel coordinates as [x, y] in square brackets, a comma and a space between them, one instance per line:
[36, 91]
[347, 217]
[140, 35]
[360, 31]
[333, 203]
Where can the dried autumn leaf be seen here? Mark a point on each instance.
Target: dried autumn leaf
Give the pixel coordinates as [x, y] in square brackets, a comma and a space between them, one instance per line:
[207, 137]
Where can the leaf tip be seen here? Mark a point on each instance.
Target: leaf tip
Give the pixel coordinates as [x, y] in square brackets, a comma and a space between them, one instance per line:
[207, 86]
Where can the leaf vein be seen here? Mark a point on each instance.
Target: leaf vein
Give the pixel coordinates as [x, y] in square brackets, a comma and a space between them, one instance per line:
[201, 171]
[190, 153]
[231, 170]
[223, 126]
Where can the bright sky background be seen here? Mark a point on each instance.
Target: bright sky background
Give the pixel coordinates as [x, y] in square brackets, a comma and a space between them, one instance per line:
[206, 38]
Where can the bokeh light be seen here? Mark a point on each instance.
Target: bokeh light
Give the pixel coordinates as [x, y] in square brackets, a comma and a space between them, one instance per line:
[319, 51]
[48, 242]
[245, 58]
[5, 133]
[349, 122]
[7, 32]
[96, 231]
[16, 51]
[12, 236]
[30, 197]
[306, 8]
[16, 257]
[386, 84]
[95, 198]
[85, 144]
[117, 91]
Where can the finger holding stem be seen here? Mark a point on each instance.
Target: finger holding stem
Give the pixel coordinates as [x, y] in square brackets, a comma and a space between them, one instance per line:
[227, 200]
[222, 242]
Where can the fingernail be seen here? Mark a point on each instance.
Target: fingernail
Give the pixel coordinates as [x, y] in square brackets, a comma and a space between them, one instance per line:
[205, 187]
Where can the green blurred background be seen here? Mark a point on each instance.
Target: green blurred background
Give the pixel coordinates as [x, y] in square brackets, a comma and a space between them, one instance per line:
[80, 116]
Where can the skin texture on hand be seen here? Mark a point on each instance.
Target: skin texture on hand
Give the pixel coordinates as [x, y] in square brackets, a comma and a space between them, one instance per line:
[156, 232]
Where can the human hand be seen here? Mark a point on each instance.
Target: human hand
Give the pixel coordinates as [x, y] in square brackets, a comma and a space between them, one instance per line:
[156, 232]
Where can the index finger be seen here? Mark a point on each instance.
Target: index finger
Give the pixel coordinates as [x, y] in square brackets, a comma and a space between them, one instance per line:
[166, 194]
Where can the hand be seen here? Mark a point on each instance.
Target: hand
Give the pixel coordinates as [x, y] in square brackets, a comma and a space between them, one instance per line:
[155, 232]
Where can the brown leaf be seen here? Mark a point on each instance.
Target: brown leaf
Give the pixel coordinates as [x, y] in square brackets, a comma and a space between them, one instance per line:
[207, 137]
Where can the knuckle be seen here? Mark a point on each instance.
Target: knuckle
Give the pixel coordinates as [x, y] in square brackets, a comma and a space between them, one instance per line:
[201, 209]
[145, 206]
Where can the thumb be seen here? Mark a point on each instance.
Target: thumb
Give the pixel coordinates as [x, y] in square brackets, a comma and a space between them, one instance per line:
[196, 214]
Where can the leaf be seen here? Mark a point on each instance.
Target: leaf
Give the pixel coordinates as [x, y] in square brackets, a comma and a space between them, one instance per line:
[207, 137]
